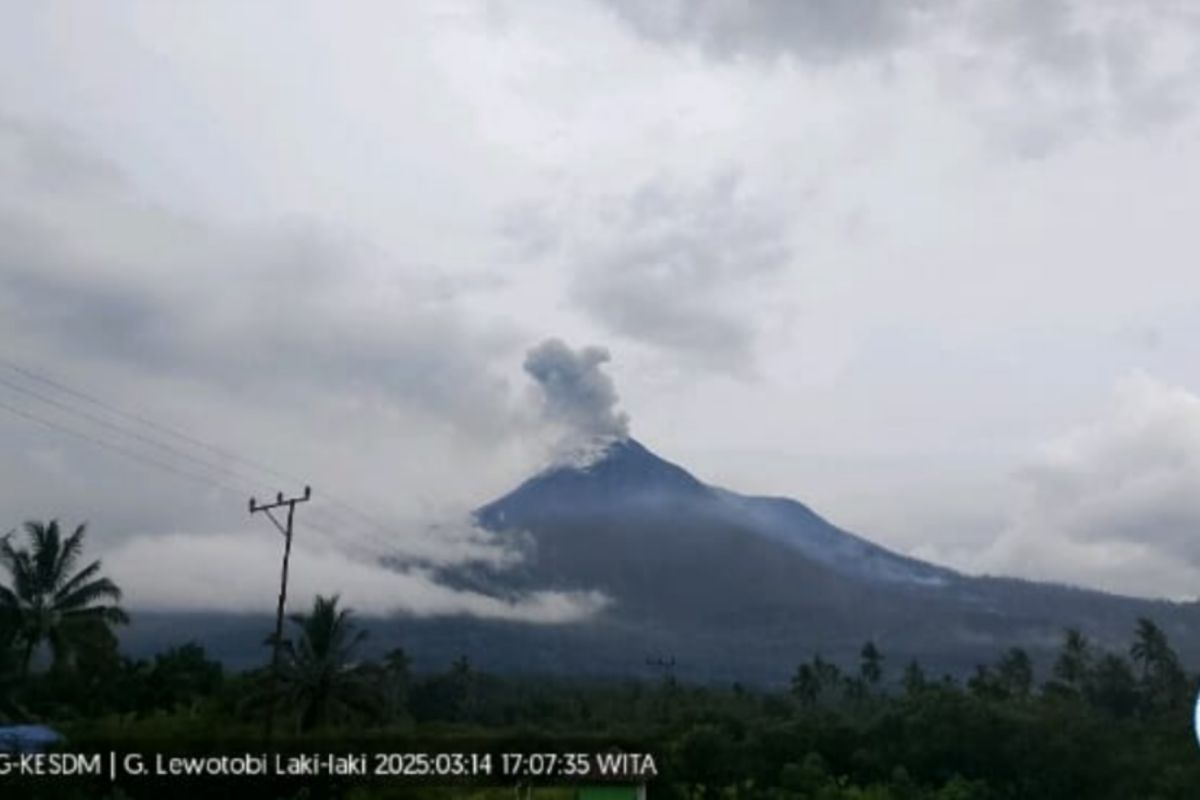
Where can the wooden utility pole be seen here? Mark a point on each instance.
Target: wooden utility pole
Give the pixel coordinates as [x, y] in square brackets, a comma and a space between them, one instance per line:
[286, 530]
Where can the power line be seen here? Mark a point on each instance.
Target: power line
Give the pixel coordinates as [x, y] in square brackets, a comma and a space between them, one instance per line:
[149, 440]
[141, 419]
[156, 463]
[193, 441]
[152, 441]
[340, 534]
[141, 457]
[119, 429]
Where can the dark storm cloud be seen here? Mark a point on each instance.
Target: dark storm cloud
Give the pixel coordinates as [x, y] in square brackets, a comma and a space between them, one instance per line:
[673, 262]
[676, 265]
[683, 325]
[1042, 32]
[92, 320]
[96, 272]
[261, 326]
[817, 30]
[1068, 67]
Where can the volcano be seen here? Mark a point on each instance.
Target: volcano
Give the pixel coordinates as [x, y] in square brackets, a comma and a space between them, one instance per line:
[724, 586]
[629, 488]
[745, 587]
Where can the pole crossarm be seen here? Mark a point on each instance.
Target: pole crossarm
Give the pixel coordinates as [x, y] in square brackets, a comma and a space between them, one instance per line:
[280, 501]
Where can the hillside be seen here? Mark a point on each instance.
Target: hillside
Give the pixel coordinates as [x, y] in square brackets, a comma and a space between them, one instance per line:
[733, 587]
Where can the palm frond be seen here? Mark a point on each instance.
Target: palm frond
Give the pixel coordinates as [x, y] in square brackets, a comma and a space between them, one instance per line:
[68, 553]
[24, 576]
[48, 602]
[315, 669]
[33, 529]
[45, 542]
[109, 615]
[88, 593]
[20, 569]
[78, 579]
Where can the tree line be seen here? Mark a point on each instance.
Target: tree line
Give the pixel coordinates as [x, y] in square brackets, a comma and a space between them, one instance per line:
[1099, 725]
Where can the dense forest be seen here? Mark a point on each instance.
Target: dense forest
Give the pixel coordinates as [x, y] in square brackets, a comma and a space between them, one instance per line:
[1096, 725]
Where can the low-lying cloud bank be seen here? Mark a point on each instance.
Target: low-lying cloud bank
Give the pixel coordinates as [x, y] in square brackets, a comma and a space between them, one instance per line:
[240, 573]
[1114, 503]
[381, 569]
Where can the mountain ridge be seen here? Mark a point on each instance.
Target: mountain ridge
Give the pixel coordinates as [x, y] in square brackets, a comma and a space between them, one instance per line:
[648, 532]
[627, 473]
[734, 587]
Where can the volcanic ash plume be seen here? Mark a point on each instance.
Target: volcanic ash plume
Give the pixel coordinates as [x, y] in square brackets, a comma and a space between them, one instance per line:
[576, 394]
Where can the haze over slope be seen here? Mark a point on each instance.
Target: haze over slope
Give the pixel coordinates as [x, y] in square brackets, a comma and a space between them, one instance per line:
[733, 586]
[731, 583]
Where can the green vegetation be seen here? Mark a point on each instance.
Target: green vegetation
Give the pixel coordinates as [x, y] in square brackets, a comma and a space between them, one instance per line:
[1099, 725]
[46, 603]
[315, 674]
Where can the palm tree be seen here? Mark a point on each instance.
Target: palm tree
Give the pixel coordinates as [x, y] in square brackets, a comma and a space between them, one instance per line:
[394, 683]
[317, 674]
[1164, 682]
[1149, 648]
[48, 602]
[1015, 673]
[1074, 661]
[871, 669]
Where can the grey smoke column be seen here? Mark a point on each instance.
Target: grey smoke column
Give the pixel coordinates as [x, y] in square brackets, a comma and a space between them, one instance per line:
[577, 394]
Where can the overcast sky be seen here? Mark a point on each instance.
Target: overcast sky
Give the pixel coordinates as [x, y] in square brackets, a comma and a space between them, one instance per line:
[929, 267]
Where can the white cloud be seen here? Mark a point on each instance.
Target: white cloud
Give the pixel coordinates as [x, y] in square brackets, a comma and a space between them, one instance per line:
[293, 234]
[688, 270]
[240, 573]
[1115, 503]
